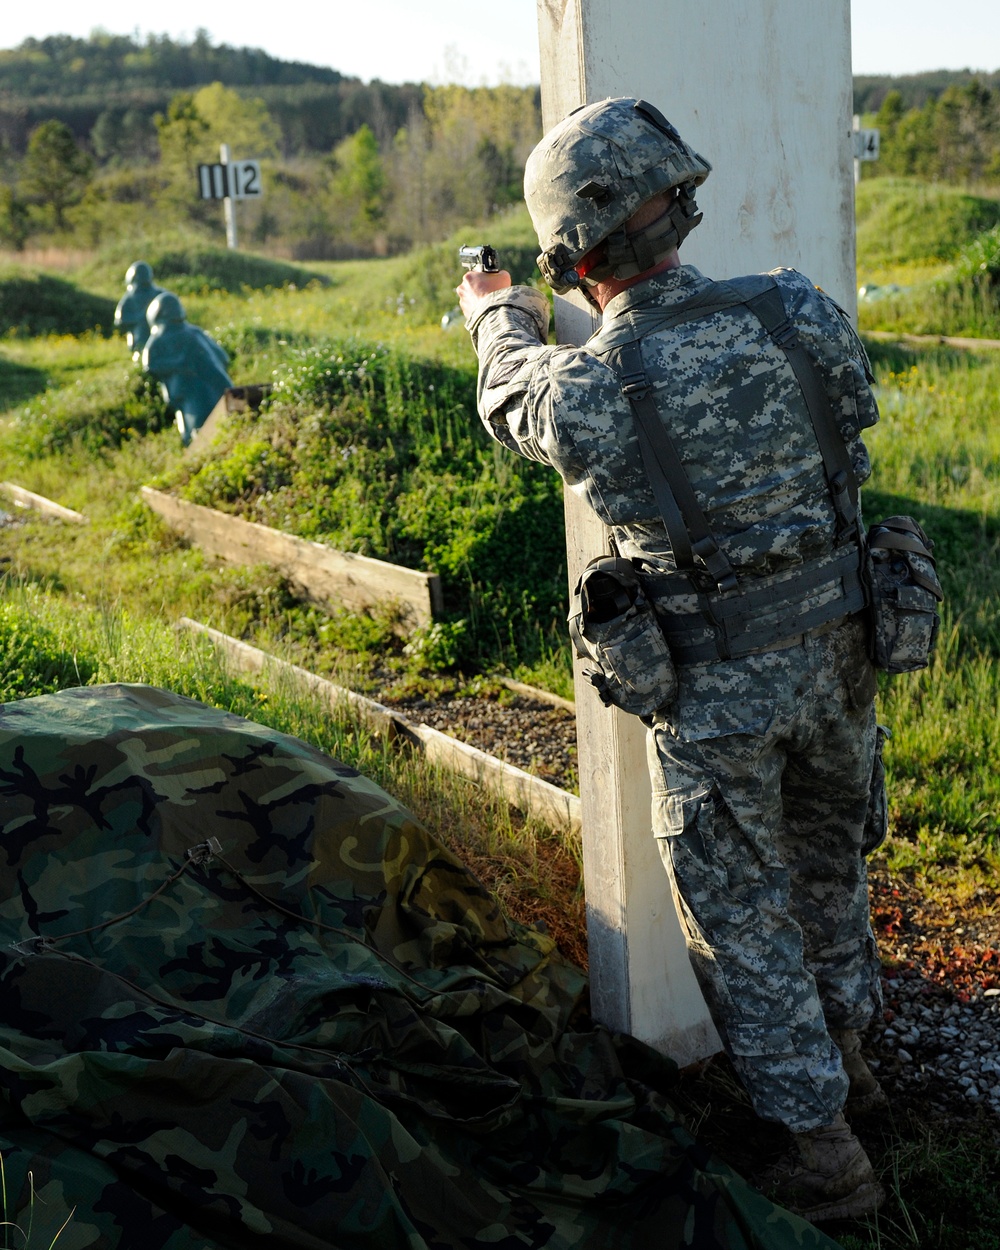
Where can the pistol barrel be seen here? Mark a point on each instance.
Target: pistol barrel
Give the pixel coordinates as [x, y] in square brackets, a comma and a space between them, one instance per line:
[483, 257]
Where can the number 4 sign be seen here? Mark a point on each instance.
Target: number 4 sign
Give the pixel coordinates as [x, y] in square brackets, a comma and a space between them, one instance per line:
[866, 145]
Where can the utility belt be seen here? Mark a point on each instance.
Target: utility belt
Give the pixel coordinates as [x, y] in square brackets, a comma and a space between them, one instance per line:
[637, 628]
[769, 612]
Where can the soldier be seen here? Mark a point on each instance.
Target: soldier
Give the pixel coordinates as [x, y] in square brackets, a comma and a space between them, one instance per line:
[763, 747]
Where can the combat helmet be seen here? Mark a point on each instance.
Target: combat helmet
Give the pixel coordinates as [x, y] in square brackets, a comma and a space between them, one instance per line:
[589, 175]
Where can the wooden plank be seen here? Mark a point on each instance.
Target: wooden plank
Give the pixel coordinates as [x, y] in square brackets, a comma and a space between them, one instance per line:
[233, 399]
[28, 499]
[329, 578]
[252, 660]
[932, 340]
[539, 696]
[531, 795]
[205, 434]
[557, 808]
[240, 398]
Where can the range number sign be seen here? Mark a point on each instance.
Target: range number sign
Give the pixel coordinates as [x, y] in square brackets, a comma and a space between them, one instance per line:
[866, 145]
[238, 180]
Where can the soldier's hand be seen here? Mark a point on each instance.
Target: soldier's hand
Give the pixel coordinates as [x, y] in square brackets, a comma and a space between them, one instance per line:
[476, 286]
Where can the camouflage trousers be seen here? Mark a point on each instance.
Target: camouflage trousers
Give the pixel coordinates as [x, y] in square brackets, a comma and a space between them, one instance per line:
[767, 792]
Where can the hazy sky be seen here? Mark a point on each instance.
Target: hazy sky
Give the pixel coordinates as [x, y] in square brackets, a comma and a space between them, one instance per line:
[482, 41]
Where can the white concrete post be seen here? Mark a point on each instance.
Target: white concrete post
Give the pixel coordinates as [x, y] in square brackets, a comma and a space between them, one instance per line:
[762, 89]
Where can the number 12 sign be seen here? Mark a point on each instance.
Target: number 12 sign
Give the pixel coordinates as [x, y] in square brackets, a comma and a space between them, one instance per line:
[239, 180]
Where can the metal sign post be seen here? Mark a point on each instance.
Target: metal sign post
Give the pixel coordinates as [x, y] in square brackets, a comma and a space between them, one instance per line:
[230, 181]
[228, 203]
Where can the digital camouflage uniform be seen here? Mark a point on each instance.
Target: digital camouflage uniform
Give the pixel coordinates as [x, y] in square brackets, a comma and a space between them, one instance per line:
[765, 769]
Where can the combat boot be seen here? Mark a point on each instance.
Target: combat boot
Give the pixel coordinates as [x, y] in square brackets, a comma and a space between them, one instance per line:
[827, 1176]
[865, 1095]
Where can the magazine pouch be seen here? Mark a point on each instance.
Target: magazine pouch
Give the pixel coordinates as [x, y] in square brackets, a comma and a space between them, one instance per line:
[613, 624]
[905, 593]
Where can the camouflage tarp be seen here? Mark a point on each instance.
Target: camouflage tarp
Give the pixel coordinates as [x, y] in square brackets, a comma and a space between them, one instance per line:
[316, 1032]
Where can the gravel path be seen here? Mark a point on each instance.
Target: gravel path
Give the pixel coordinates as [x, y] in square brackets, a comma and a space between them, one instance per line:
[940, 1048]
[530, 734]
[942, 995]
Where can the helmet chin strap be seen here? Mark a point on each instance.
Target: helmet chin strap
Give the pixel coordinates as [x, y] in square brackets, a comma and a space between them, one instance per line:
[588, 294]
[625, 254]
[629, 254]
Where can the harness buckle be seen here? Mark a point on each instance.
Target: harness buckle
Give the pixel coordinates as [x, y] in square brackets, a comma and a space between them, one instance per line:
[635, 385]
[785, 335]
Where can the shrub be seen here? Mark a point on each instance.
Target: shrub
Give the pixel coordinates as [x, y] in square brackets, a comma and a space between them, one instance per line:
[97, 412]
[979, 261]
[33, 304]
[372, 451]
[188, 266]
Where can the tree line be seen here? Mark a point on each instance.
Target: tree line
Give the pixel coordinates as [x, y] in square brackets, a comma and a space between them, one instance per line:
[108, 89]
[915, 90]
[952, 137]
[457, 158]
[100, 136]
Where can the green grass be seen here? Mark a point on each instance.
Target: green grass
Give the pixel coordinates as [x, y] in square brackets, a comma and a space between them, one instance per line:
[370, 442]
[51, 640]
[942, 1188]
[372, 450]
[96, 603]
[936, 455]
[909, 221]
[33, 303]
[939, 247]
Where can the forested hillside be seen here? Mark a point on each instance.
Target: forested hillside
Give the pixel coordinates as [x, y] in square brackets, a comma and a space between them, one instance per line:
[108, 89]
[100, 139]
[79, 80]
[915, 90]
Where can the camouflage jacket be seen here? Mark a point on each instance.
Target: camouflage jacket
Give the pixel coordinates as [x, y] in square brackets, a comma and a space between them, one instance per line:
[733, 406]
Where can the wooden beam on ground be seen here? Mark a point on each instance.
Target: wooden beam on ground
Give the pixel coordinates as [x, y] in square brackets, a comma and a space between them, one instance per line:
[555, 807]
[28, 499]
[234, 399]
[534, 797]
[932, 340]
[540, 696]
[329, 578]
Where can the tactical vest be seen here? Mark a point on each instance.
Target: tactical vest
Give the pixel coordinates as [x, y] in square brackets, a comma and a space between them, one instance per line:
[705, 611]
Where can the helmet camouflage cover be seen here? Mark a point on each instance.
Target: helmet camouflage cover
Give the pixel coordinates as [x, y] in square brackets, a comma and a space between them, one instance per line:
[589, 174]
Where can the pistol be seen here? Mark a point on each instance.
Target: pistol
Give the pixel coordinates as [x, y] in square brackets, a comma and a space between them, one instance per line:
[484, 258]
